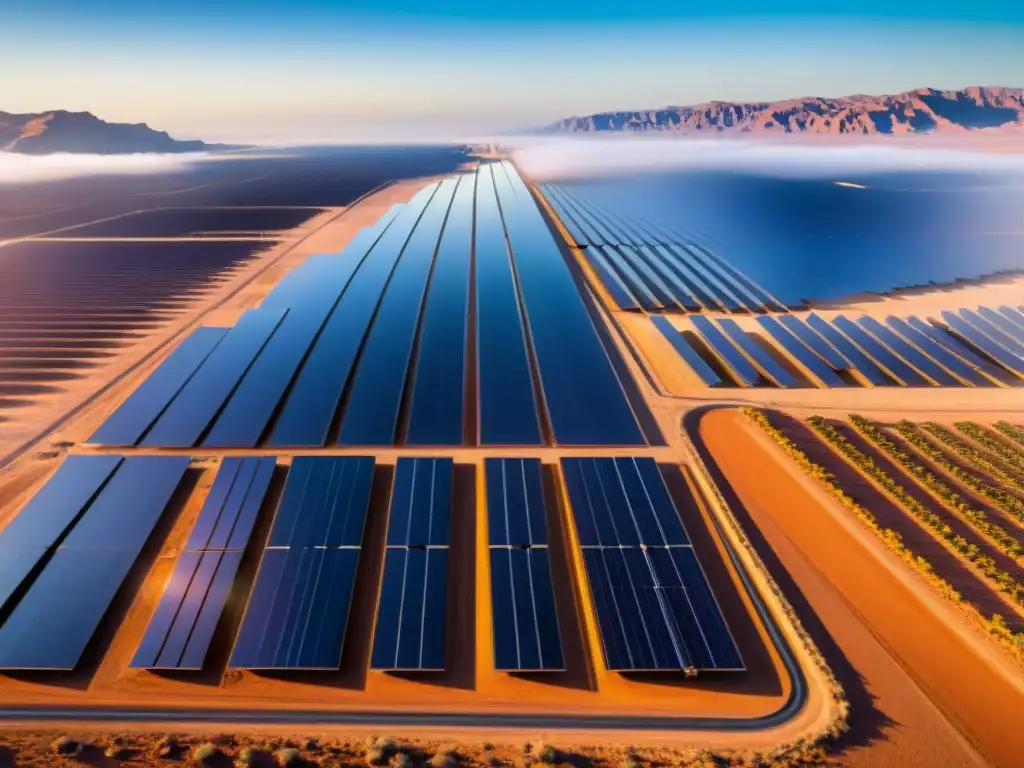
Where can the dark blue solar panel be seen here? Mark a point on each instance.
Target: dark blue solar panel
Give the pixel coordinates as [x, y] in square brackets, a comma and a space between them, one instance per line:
[438, 395]
[808, 336]
[411, 625]
[526, 635]
[636, 284]
[610, 279]
[908, 352]
[371, 415]
[209, 615]
[953, 344]
[881, 355]
[936, 350]
[1003, 323]
[163, 618]
[1014, 315]
[197, 404]
[980, 340]
[721, 292]
[651, 279]
[229, 512]
[308, 412]
[129, 506]
[997, 335]
[324, 502]
[421, 503]
[755, 291]
[52, 625]
[575, 231]
[695, 362]
[134, 416]
[859, 361]
[695, 285]
[727, 278]
[724, 350]
[595, 233]
[585, 401]
[613, 638]
[16, 564]
[298, 611]
[506, 406]
[814, 364]
[764, 362]
[682, 293]
[43, 520]
[516, 514]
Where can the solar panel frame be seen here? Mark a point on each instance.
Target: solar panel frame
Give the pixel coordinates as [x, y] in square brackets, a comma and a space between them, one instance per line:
[720, 290]
[726, 351]
[661, 291]
[682, 293]
[694, 361]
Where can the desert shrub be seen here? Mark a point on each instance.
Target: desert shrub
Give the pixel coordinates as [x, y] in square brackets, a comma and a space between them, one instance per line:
[402, 760]
[289, 757]
[246, 757]
[443, 759]
[547, 754]
[113, 752]
[993, 443]
[527, 748]
[1010, 431]
[311, 744]
[629, 762]
[376, 756]
[65, 745]
[205, 754]
[488, 747]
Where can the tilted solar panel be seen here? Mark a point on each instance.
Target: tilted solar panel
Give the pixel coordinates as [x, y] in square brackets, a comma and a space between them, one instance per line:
[693, 360]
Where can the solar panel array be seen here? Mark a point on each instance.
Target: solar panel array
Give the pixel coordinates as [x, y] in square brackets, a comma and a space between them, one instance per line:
[411, 616]
[70, 549]
[524, 616]
[298, 609]
[965, 348]
[645, 266]
[181, 628]
[370, 347]
[654, 607]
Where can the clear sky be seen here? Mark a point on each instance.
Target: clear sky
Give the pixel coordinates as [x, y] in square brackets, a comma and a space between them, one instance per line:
[278, 71]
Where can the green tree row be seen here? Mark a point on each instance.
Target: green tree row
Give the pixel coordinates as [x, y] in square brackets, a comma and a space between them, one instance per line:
[891, 539]
[994, 467]
[1010, 431]
[1002, 539]
[969, 551]
[984, 437]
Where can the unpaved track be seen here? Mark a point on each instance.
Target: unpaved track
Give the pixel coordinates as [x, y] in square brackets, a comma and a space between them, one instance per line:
[921, 693]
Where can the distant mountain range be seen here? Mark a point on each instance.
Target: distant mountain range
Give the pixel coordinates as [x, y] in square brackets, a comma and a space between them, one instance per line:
[61, 131]
[922, 111]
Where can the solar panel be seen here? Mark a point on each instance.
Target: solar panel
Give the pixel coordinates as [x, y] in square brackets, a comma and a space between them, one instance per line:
[1014, 315]
[814, 365]
[575, 231]
[724, 350]
[735, 289]
[371, 414]
[133, 417]
[682, 293]
[761, 359]
[696, 285]
[980, 340]
[889, 362]
[860, 362]
[197, 404]
[516, 513]
[438, 394]
[526, 634]
[937, 351]
[822, 348]
[759, 294]
[620, 293]
[298, 611]
[624, 269]
[948, 341]
[410, 633]
[421, 503]
[324, 502]
[621, 502]
[507, 410]
[651, 278]
[720, 290]
[994, 333]
[908, 352]
[581, 228]
[695, 362]
[1003, 323]
[308, 411]
[229, 512]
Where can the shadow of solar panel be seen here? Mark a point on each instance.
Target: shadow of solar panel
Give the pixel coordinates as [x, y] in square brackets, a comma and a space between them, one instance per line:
[908, 352]
[516, 513]
[982, 342]
[127, 424]
[229, 512]
[298, 612]
[436, 408]
[371, 414]
[893, 365]
[324, 502]
[197, 404]
[724, 350]
[410, 633]
[937, 351]
[1003, 323]
[507, 410]
[813, 364]
[59, 503]
[308, 411]
[421, 502]
[526, 634]
[761, 359]
[858, 360]
[693, 360]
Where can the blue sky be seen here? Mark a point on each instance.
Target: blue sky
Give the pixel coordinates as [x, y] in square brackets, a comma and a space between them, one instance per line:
[280, 71]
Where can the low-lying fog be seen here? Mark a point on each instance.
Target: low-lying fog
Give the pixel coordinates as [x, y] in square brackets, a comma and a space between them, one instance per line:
[21, 169]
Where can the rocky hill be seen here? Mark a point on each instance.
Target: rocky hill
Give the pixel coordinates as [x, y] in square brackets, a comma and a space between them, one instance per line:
[61, 131]
[921, 111]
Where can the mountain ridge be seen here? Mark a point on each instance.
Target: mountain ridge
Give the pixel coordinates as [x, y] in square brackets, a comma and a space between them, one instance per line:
[59, 130]
[923, 110]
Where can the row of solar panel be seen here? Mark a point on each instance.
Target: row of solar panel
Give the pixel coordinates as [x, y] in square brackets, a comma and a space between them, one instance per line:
[328, 354]
[982, 348]
[645, 269]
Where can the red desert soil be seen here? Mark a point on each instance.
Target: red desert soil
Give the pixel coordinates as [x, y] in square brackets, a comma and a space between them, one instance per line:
[921, 694]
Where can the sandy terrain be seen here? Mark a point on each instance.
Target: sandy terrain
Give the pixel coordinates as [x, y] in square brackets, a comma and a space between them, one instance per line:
[922, 689]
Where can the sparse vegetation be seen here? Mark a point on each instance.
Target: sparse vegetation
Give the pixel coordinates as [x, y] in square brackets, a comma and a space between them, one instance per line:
[443, 759]
[1012, 432]
[246, 757]
[376, 756]
[994, 467]
[985, 438]
[206, 753]
[289, 757]
[65, 745]
[547, 754]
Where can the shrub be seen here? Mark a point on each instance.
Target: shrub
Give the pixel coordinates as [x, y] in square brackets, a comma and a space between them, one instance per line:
[402, 760]
[443, 759]
[246, 757]
[289, 757]
[376, 756]
[547, 754]
[311, 744]
[629, 762]
[65, 745]
[113, 752]
[1010, 431]
[205, 754]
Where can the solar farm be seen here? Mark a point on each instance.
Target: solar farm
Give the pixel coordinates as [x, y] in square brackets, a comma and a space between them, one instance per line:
[451, 467]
